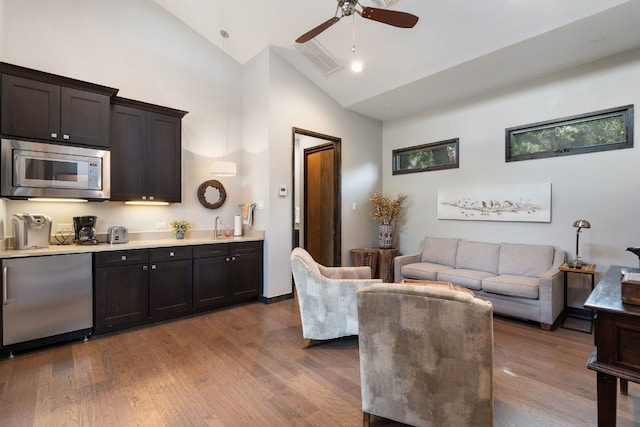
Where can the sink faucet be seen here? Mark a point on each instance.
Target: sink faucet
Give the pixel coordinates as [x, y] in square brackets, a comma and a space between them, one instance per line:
[216, 230]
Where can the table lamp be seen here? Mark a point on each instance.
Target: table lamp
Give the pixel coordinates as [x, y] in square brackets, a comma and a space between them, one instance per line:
[580, 224]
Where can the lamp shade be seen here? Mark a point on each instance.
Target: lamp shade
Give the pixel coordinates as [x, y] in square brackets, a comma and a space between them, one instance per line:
[222, 168]
[582, 223]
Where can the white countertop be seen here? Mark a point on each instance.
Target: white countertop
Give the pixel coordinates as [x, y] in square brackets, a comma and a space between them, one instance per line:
[137, 241]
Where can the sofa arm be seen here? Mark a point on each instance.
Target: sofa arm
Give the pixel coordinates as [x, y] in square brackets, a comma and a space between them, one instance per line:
[401, 260]
[552, 290]
[346, 272]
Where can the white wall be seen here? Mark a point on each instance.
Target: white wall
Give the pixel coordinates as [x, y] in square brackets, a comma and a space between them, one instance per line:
[139, 48]
[600, 187]
[293, 101]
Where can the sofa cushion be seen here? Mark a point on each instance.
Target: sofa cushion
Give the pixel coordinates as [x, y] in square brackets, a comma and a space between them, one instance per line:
[478, 256]
[439, 250]
[525, 260]
[515, 286]
[471, 279]
[422, 270]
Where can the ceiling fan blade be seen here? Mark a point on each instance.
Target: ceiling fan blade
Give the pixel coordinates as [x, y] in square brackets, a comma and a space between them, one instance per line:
[390, 17]
[317, 30]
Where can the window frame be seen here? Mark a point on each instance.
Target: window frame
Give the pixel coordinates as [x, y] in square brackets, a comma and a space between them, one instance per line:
[397, 153]
[625, 111]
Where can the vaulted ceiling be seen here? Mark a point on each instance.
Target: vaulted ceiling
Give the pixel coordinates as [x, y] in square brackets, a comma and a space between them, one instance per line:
[458, 49]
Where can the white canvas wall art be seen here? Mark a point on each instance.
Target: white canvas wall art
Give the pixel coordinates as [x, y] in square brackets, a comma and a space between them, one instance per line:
[517, 202]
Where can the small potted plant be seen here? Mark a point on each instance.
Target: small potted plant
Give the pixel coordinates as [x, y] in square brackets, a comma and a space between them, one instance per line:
[180, 227]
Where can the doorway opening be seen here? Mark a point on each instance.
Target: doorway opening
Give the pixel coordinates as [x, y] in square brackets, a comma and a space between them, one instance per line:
[317, 197]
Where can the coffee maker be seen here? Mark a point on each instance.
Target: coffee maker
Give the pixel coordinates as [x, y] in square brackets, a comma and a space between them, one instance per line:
[85, 231]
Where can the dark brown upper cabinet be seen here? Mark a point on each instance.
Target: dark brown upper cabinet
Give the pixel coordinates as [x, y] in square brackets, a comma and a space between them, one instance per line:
[45, 107]
[146, 148]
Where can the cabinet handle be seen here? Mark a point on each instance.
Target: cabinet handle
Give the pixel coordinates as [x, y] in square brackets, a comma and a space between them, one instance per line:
[5, 294]
[123, 257]
[54, 135]
[144, 197]
[145, 268]
[153, 267]
[150, 197]
[65, 136]
[172, 254]
[233, 258]
[228, 259]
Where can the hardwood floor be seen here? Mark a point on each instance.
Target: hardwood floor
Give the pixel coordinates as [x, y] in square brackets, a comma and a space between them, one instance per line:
[245, 366]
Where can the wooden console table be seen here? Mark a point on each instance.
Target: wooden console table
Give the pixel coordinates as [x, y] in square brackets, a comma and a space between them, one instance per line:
[380, 261]
[617, 339]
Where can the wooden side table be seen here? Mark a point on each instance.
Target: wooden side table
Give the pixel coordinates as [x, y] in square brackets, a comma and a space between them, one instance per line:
[577, 313]
[366, 257]
[380, 261]
[386, 258]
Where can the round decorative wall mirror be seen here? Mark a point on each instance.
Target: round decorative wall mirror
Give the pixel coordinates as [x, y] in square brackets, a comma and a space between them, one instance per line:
[212, 194]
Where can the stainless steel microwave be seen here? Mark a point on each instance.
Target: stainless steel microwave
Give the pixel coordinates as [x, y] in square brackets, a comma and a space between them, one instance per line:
[34, 169]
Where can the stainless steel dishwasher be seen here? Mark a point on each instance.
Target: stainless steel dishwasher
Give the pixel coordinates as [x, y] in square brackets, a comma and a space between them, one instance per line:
[46, 299]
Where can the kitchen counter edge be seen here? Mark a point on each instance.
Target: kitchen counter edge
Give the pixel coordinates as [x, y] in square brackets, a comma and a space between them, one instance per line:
[135, 244]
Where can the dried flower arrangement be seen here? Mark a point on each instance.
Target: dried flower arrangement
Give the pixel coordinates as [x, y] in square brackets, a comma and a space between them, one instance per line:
[385, 208]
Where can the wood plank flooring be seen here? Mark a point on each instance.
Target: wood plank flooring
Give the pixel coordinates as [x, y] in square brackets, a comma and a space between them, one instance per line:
[245, 366]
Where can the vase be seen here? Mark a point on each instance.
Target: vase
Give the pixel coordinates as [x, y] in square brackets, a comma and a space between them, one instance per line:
[179, 234]
[385, 235]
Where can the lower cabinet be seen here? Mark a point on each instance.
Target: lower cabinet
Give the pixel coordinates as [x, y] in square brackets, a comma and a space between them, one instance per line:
[226, 273]
[139, 286]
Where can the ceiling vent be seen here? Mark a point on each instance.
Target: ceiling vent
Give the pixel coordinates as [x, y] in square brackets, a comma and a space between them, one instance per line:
[318, 55]
[384, 3]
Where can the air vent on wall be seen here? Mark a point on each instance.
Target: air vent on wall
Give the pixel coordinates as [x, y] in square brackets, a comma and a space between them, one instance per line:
[383, 3]
[318, 55]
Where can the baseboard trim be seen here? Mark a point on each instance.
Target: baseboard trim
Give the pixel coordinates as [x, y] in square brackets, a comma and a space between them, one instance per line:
[271, 300]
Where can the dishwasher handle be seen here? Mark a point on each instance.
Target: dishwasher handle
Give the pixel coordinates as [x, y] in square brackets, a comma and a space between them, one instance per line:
[5, 296]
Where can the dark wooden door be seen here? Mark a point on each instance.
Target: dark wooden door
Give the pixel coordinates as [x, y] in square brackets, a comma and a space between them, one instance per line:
[84, 117]
[170, 288]
[121, 298]
[319, 208]
[129, 150]
[30, 108]
[210, 281]
[164, 182]
[245, 270]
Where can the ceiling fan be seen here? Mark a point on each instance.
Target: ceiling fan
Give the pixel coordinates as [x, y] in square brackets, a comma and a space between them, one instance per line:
[348, 8]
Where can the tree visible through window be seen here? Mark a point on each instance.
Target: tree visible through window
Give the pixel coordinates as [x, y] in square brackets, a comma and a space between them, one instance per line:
[598, 131]
[420, 158]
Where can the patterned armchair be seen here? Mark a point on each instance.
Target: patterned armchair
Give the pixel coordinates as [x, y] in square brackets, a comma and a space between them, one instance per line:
[426, 355]
[327, 297]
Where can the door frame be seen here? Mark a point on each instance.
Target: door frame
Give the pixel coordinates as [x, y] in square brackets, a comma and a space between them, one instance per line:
[336, 144]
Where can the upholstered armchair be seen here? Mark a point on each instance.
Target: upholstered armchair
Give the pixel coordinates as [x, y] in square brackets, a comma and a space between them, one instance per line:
[426, 355]
[327, 297]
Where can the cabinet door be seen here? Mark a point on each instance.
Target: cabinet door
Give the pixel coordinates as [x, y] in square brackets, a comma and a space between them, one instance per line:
[245, 270]
[170, 288]
[210, 277]
[30, 108]
[164, 180]
[121, 297]
[84, 117]
[129, 150]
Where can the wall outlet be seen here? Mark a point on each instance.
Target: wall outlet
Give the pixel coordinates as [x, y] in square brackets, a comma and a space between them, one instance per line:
[161, 225]
[65, 227]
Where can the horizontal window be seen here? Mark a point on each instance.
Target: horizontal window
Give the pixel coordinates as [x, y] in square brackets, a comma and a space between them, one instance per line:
[427, 157]
[598, 131]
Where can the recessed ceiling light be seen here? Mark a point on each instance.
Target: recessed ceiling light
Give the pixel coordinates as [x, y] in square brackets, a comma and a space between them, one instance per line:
[356, 66]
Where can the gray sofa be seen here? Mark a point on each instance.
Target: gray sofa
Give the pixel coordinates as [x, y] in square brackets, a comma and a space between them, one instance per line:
[520, 280]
